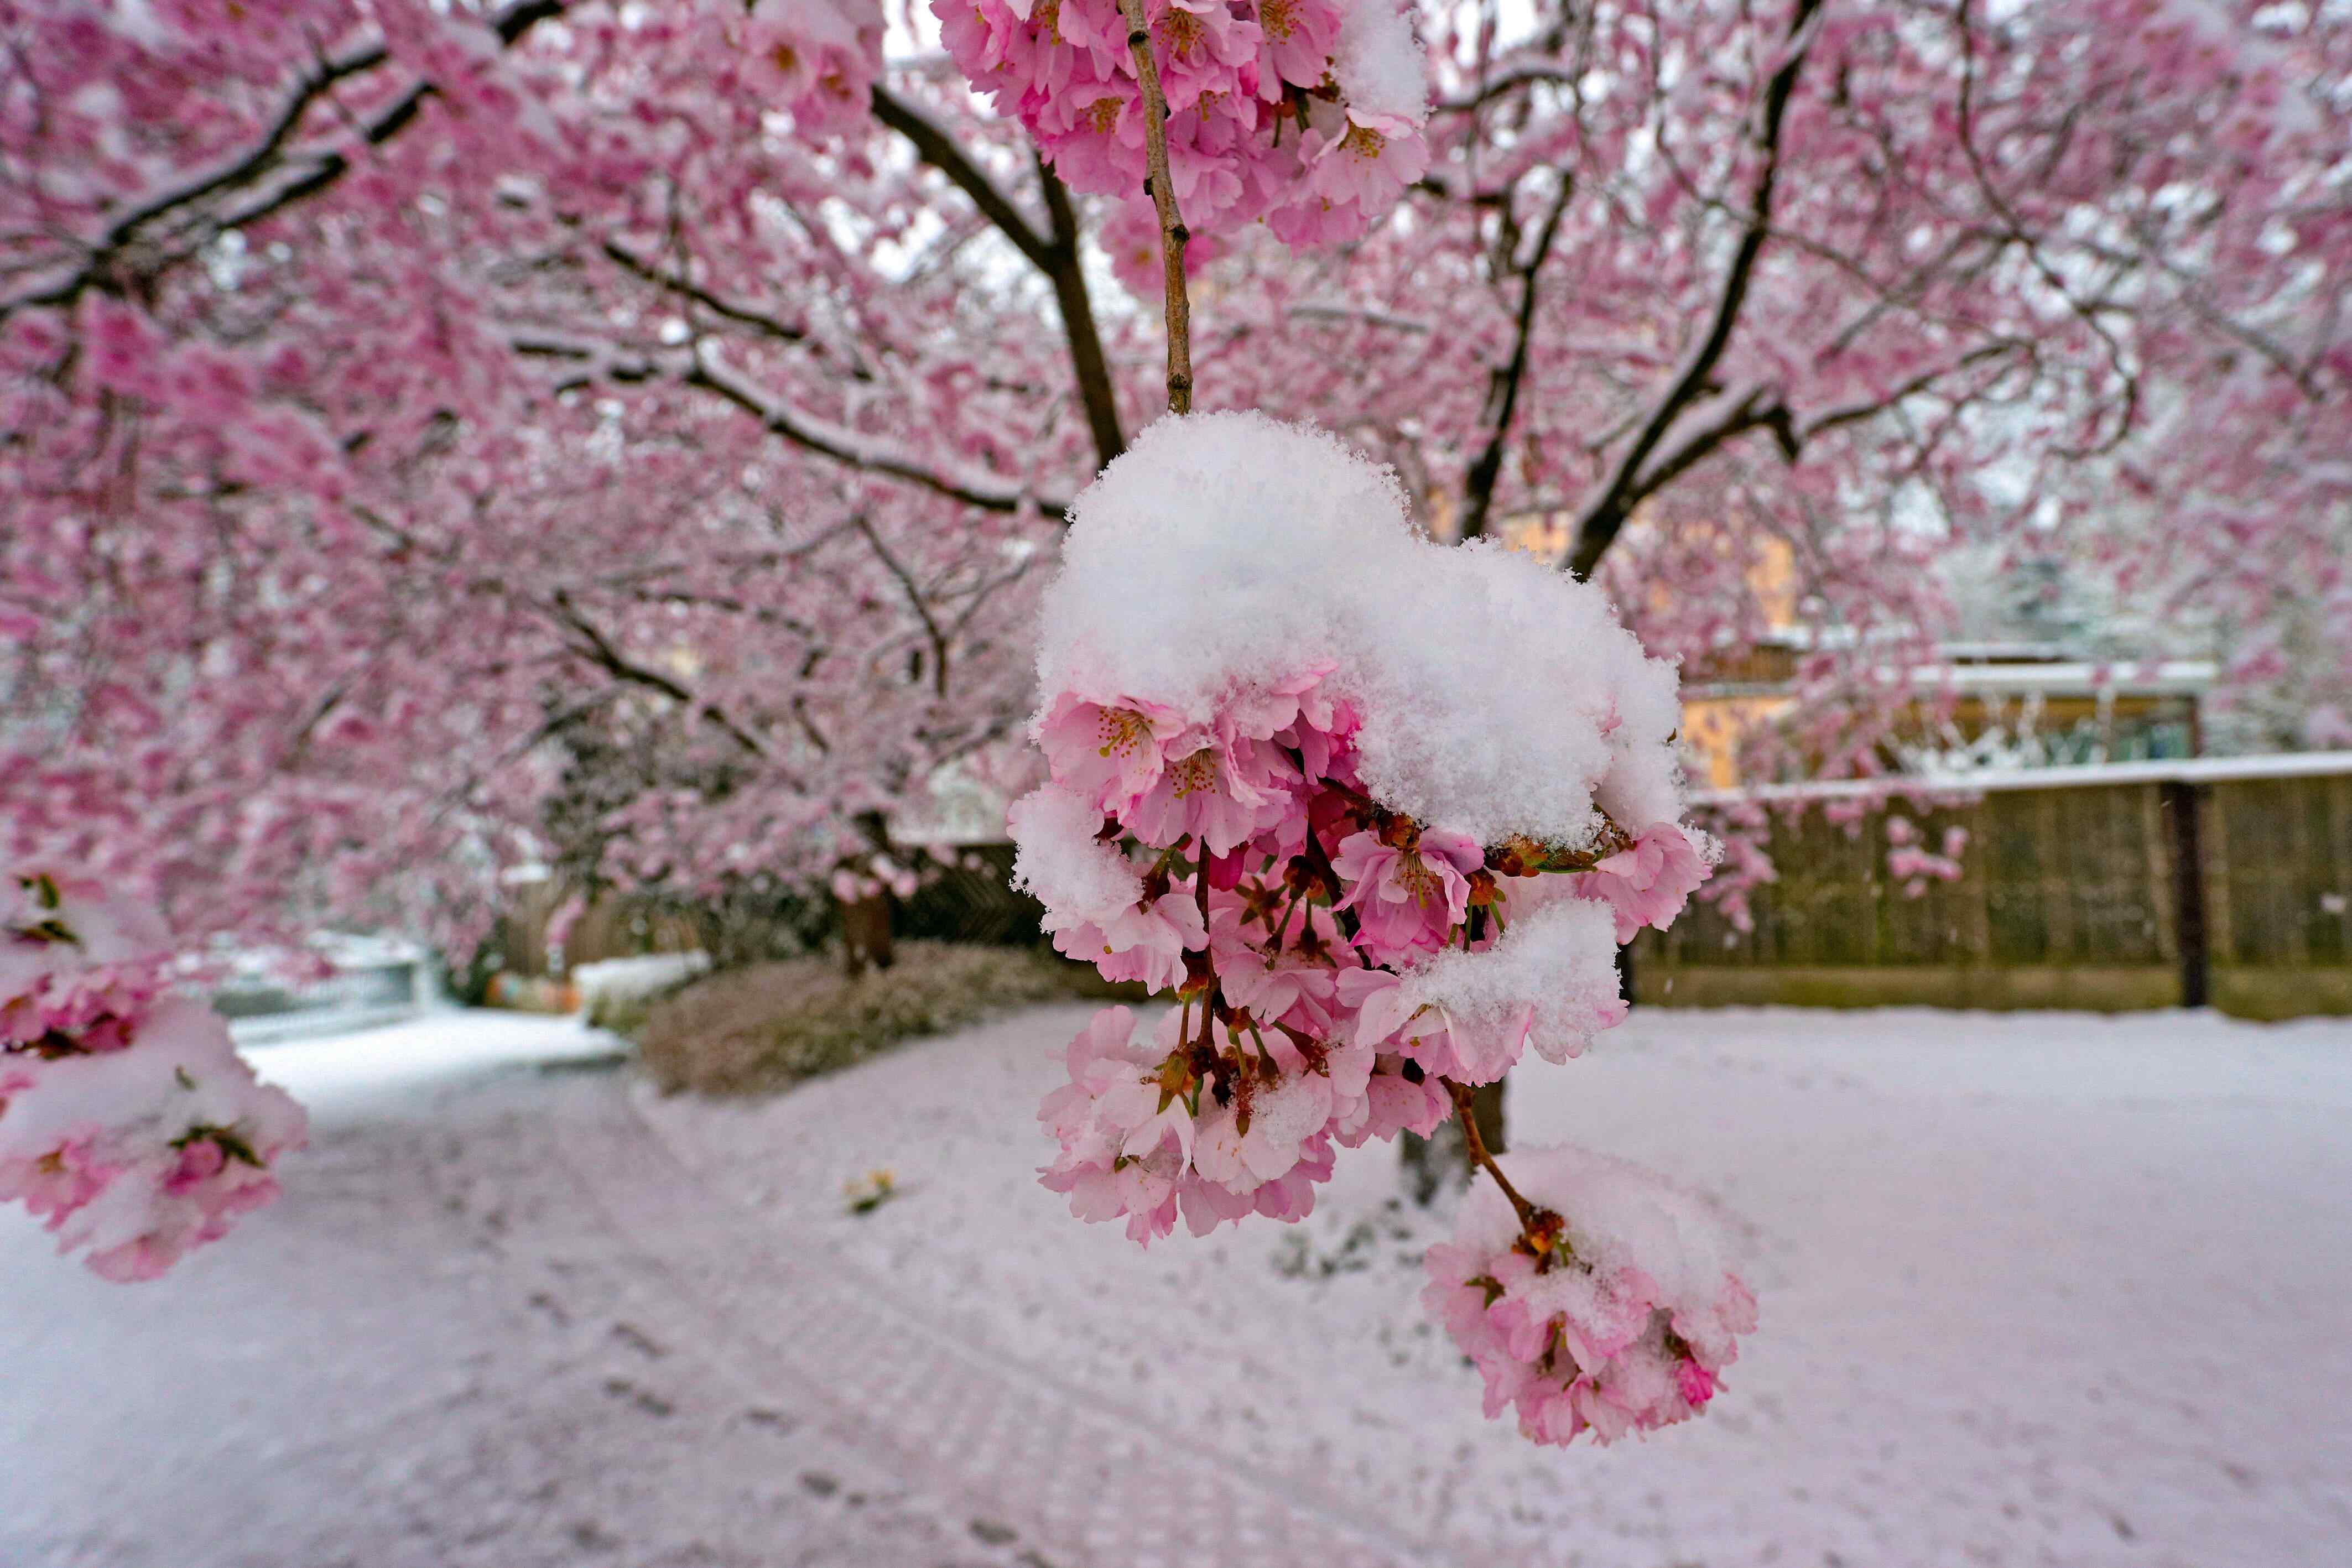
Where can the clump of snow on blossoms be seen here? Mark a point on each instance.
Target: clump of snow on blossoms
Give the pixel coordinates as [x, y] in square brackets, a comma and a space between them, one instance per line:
[1306, 113]
[71, 959]
[1615, 1311]
[1060, 858]
[1550, 980]
[1493, 695]
[1379, 65]
[128, 1121]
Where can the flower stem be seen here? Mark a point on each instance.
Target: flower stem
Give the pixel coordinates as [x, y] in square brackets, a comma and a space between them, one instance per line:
[1161, 189]
[1463, 1112]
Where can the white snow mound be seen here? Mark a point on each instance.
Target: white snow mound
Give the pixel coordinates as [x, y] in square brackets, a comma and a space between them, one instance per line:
[1497, 695]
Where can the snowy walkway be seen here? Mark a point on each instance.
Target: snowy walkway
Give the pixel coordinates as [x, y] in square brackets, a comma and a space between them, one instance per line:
[2036, 1289]
[437, 1351]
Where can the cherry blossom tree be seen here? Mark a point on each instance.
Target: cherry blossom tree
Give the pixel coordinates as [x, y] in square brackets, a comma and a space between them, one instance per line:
[432, 428]
[400, 394]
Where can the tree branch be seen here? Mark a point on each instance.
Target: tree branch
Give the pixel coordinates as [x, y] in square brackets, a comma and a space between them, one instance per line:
[1056, 254]
[637, 267]
[600, 651]
[860, 451]
[266, 156]
[1088, 364]
[1605, 515]
[696, 367]
[937, 148]
[1760, 407]
[1161, 188]
[915, 601]
[1503, 393]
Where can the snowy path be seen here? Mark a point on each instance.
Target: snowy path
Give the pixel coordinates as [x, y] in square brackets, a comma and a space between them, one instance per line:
[438, 1351]
[2036, 1289]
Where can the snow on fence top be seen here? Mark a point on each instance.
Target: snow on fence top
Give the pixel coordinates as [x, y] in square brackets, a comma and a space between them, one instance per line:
[2184, 770]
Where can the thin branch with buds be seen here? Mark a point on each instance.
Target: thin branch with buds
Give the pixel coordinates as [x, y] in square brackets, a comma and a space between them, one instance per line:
[1163, 190]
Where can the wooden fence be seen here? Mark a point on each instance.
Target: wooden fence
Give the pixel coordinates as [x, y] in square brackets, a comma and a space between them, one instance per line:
[2141, 885]
[2159, 884]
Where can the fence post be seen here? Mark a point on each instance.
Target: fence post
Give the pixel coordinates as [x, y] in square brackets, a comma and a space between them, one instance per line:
[2183, 806]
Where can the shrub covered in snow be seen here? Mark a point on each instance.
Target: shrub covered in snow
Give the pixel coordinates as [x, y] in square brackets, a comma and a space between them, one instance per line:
[1377, 813]
[768, 1026]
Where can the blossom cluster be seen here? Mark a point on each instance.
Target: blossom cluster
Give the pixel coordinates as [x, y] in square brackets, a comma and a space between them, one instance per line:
[128, 1122]
[869, 876]
[815, 59]
[1312, 938]
[1607, 1309]
[1306, 113]
[1376, 811]
[1911, 862]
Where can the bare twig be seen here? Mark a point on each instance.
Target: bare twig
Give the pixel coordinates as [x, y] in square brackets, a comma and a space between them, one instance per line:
[915, 600]
[1531, 1217]
[1503, 395]
[245, 189]
[1161, 187]
[598, 649]
[678, 282]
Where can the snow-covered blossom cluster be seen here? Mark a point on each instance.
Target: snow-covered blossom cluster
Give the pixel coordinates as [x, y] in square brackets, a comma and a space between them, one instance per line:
[1306, 113]
[1611, 1310]
[1377, 812]
[128, 1121]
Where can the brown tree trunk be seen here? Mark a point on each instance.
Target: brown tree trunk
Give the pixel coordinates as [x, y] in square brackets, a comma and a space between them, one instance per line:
[865, 934]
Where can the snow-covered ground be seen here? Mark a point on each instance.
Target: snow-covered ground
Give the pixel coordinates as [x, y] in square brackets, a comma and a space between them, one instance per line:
[2036, 1289]
[437, 1351]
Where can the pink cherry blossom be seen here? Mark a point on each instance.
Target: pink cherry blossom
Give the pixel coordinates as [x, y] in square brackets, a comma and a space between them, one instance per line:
[128, 1122]
[1649, 883]
[1146, 942]
[1621, 1321]
[1408, 896]
[1237, 80]
[1111, 751]
[1220, 789]
[73, 955]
